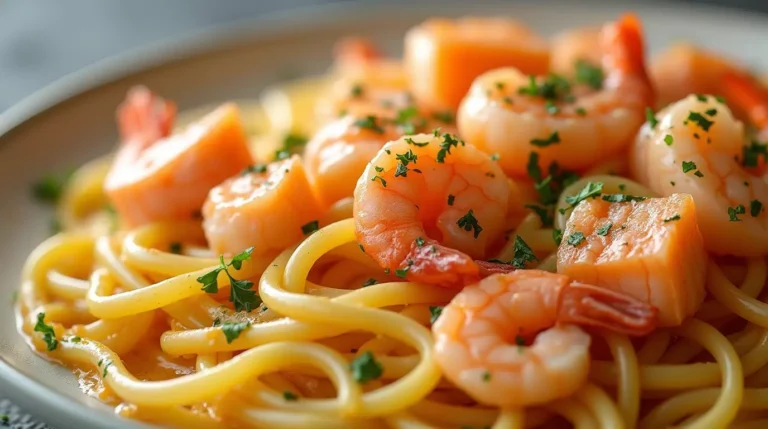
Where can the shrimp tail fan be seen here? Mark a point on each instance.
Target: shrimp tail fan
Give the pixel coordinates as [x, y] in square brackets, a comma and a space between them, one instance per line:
[589, 305]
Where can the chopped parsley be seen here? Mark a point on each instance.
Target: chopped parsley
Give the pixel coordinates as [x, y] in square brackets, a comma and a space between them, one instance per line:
[370, 122]
[551, 107]
[752, 154]
[357, 90]
[698, 173]
[711, 112]
[733, 213]
[445, 117]
[669, 140]
[310, 227]
[415, 143]
[241, 294]
[401, 170]
[590, 190]
[75, 339]
[486, 376]
[448, 142]
[755, 207]
[381, 179]
[365, 368]
[49, 335]
[495, 157]
[688, 166]
[254, 168]
[553, 87]
[469, 223]
[522, 254]
[702, 98]
[604, 230]
[520, 341]
[621, 198]
[49, 188]
[650, 117]
[557, 235]
[434, 313]
[699, 120]
[420, 241]
[545, 213]
[720, 99]
[290, 396]
[402, 273]
[370, 282]
[104, 371]
[175, 247]
[672, 218]
[581, 111]
[575, 239]
[409, 121]
[552, 139]
[233, 330]
[5, 420]
[451, 199]
[589, 74]
[291, 143]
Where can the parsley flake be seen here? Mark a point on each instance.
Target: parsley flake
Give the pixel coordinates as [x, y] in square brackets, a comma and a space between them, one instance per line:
[49, 335]
[445, 117]
[310, 227]
[700, 120]
[752, 154]
[448, 142]
[357, 90]
[575, 239]
[755, 207]
[669, 140]
[552, 139]
[291, 143]
[733, 213]
[604, 230]
[175, 247]
[557, 235]
[589, 74]
[451, 199]
[233, 330]
[370, 122]
[365, 368]
[434, 313]
[621, 198]
[711, 112]
[522, 254]
[290, 396]
[370, 282]
[672, 218]
[650, 117]
[688, 166]
[381, 179]
[469, 223]
[254, 168]
[590, 190]
[415, 143]
[420, 241]
[486, 376]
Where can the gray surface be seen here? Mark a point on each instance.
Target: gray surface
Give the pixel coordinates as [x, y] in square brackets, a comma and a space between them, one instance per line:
[42, 40]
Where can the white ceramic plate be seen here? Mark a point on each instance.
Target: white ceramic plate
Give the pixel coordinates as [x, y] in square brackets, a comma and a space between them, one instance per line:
[72, 121]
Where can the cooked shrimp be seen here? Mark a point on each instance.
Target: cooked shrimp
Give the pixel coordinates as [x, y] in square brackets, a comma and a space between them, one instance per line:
[651, 250]
[337, 155]
[427, 205]
[443, 57]
[508, 113]
[573, 47]
[696, 148]
[365, 81]
[270, 207]
[684, 69]
[158, 177]
[481, 337]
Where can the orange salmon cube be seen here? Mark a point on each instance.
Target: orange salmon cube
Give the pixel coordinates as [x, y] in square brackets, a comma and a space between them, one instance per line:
[443, 57]
[650, 249]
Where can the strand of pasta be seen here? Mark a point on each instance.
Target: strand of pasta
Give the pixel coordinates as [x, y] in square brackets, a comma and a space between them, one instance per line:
[575, 412]
[510, 419]
[751, 286]
[603, 408]
[287, 297]
[732, 388]
[734, 298]
[654, 347]
[629, 378]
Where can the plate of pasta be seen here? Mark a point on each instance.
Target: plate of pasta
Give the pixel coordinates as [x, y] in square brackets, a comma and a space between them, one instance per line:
[487, 215]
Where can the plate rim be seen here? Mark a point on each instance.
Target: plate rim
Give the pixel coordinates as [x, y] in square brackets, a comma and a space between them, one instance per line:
[113, 68]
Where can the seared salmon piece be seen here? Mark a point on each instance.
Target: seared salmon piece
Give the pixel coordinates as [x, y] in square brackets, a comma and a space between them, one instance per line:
[650, 249]
[443, 57]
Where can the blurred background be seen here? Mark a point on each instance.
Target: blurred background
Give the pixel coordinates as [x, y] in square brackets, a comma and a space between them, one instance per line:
[42, 40]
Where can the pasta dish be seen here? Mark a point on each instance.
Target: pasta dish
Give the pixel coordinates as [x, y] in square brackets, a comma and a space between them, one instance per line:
[497, 230]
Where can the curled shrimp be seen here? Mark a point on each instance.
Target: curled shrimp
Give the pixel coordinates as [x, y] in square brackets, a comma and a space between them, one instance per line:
[157, 176]
[337, 154]
[426, 205]
[484, 339]
[695, 148]
[364, 82]
[509, 113]
[267, 207]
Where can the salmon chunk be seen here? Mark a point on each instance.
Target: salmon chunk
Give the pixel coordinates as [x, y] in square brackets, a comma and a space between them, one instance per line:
[443, 57]
[160, 178]
[650, 249]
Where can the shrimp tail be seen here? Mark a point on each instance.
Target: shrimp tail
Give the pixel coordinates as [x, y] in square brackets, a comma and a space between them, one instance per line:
[436, 264]
[487, 268]
[144, 117]
[584, 304]
[742, 91]
[622, 40]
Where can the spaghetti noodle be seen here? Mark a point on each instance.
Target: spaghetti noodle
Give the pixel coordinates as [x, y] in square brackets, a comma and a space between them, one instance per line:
[156, 324]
